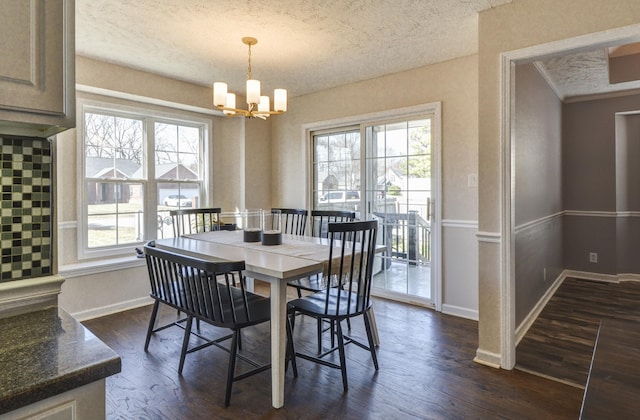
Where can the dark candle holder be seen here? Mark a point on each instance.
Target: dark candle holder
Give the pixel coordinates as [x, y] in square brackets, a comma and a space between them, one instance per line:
[252, 235]
[271, 237]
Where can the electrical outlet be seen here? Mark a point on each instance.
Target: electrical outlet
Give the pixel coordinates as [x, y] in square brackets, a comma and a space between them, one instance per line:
[593, 257]
[472, 180]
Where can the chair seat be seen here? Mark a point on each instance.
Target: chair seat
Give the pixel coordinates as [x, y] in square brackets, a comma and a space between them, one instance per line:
[256, 310]
[338, 308]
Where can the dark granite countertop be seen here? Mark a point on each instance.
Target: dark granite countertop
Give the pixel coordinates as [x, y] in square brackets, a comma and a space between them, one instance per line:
[48, 352]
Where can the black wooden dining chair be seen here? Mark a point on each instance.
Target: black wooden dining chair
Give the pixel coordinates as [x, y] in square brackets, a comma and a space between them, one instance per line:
[320, 220]
[351, 262]
[204, 290]
[190, 221]
[294, 221]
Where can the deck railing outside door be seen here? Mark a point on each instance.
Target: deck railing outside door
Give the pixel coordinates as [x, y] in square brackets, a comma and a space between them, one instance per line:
[407, 236]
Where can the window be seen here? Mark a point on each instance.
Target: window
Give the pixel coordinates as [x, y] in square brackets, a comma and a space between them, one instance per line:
[336, 166]
[137, 167]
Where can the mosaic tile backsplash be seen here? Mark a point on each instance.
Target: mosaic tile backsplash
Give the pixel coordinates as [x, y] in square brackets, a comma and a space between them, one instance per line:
[25, 215]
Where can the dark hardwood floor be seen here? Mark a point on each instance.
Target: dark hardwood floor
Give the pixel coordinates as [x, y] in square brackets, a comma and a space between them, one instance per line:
[560, 342]
[426, 372]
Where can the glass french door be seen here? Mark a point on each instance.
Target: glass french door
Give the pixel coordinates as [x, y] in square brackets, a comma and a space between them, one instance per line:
[383, 171]
[399, 194]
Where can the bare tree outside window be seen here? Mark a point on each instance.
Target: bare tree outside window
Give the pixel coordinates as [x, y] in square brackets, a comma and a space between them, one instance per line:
[113, 137]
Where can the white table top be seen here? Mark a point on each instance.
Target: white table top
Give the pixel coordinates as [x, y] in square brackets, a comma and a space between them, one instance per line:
[307, 247]
[260, 262]
[312, 248]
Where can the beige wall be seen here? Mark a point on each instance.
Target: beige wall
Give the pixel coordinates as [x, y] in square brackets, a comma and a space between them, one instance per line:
[258, 163]
[521, 24]
[454, 83]
[100, 74]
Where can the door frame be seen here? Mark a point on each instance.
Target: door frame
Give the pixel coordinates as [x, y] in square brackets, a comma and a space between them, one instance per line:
[432, 108]
[508, 62]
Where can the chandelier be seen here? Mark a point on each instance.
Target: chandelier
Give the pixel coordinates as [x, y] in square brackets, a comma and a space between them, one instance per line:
[258, 105]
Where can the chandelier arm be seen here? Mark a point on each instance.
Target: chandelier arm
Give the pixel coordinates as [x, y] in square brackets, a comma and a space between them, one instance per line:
[267, 112]
[235, 110]
[248, 113]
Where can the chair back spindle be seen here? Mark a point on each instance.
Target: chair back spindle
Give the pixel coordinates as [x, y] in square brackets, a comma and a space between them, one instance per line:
[294, 221]
[320, 219]
[191, 221]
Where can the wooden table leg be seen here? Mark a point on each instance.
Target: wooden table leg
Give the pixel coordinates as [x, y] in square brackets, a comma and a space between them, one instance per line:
[278, 340]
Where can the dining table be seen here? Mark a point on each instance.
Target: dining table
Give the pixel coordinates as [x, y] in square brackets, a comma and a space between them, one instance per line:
[296, 257]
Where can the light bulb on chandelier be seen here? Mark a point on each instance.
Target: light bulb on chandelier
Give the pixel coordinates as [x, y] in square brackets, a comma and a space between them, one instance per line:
[258, 105]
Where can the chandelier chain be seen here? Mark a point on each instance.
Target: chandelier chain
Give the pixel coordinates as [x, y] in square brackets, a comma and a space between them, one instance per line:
[249, 67]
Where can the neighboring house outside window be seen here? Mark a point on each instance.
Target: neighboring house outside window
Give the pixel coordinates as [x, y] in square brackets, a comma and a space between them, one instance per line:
[137, 167]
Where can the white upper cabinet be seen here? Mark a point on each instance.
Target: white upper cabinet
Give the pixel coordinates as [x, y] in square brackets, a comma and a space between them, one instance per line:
[37, 69]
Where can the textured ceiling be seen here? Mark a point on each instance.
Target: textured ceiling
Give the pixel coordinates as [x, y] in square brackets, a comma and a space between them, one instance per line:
[583, 73]
[303, 45]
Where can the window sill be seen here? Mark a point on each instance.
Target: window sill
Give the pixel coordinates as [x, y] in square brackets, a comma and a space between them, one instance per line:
[98, 267]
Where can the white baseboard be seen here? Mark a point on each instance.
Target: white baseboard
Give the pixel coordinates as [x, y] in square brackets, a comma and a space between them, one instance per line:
[488, 358]
[607, 278]
[460, 311]
[524, 326]
[585, 275]
[112, 309]
[629, 277]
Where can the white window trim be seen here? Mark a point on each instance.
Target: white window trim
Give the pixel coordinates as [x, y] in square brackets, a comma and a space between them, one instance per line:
[114, 105]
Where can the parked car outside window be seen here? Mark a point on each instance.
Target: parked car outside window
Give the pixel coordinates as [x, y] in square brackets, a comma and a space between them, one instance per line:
[175, 200]
[340, 197]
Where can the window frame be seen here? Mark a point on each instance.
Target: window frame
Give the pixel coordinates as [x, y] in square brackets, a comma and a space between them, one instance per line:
[149, 115]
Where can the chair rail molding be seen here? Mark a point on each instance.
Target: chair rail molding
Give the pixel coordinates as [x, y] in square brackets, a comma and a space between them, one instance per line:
[590, 213]
[489, 237]
[537, 222]
[462, 224]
